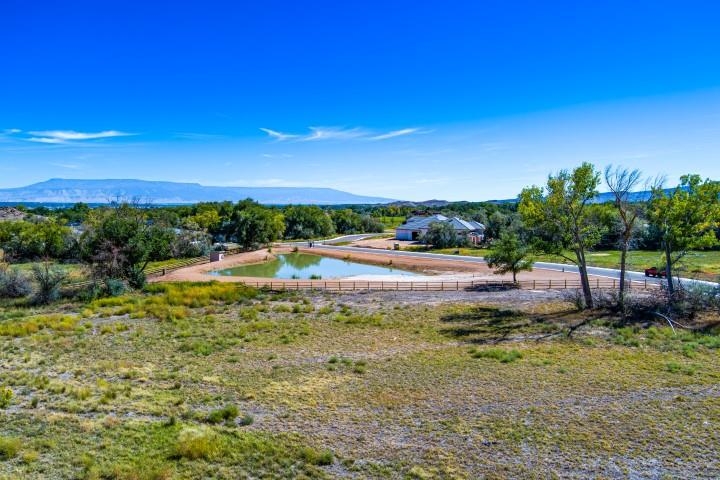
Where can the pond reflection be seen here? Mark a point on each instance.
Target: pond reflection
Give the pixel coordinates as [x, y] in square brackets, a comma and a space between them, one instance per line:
[304, 266]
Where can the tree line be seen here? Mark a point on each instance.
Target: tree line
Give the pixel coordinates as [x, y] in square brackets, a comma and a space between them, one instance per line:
[561, 217]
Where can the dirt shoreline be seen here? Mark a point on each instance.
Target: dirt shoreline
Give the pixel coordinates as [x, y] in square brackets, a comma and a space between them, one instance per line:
[440, 269]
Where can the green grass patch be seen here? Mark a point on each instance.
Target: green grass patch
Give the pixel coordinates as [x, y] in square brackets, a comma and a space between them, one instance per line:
[499, 354]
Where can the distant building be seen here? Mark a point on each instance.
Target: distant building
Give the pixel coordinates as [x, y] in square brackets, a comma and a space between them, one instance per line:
[416, 227]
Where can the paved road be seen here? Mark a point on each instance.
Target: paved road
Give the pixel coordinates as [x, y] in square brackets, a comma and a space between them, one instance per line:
[596, 271]
[344, 238]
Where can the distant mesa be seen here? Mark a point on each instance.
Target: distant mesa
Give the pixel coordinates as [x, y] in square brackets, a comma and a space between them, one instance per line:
[58, 190]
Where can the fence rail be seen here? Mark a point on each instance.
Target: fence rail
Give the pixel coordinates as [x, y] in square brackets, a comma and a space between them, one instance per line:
[480, 285]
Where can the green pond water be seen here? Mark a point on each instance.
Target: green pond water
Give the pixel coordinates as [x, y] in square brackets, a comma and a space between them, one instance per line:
[303, 265]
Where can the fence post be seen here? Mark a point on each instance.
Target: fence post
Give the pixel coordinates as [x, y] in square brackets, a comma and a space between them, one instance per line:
[597, 283]
[566, 284]
[533, 284]
[550, 284]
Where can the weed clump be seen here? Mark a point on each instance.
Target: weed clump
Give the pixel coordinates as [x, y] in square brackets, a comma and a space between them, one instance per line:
[9, 447]
[6, 395]
[227, 414]
[315, 457]
[198, 443]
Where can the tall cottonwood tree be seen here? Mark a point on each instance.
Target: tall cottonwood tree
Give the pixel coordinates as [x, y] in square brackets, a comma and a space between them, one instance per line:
[686, 217]
[621, 183]
[560, 220]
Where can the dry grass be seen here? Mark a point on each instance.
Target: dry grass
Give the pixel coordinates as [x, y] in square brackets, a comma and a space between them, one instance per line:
[247, 383]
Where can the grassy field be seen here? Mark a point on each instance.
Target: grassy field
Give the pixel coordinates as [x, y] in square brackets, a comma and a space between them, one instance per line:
[215, 381]
[701, 264]
[391, 222]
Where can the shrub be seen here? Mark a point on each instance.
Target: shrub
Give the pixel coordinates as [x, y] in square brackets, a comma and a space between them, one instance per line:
[6, 395]
[246, 420]
[49, 279]
[14, 284]
[228, 413]
[30, 457]
[90, 293]
[136, 278]
[114, 287]
[197, 443]
[314, 457]
[9, 447]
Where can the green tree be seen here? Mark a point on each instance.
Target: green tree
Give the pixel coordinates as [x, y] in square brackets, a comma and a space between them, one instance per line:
[508, 254]
[686, 219]
[369, 224]
[441, 235]
[346, 221]
[560, 220]
[34, 239]
[76, 214]
[254, 225]
[307, 221]
[119, 242]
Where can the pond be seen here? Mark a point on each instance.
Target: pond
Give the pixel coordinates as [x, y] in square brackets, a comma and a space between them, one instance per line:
[305, 266]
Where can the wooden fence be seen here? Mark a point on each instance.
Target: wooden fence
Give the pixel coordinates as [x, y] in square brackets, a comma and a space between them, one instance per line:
[477, 285]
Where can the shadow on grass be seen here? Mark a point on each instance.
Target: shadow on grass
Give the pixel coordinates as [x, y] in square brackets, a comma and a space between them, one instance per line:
[489, 325]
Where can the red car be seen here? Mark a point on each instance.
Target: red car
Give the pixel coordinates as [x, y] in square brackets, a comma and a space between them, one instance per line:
[654, 272]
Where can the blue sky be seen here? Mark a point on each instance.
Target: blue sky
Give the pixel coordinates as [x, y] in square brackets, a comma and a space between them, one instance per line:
[458, 100]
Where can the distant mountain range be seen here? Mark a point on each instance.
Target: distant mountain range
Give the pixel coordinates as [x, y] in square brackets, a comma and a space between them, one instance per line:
[59, 190]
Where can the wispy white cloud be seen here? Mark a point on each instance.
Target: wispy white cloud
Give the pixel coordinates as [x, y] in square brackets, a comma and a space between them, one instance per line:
[334, 133]
[340, 133]
[396, 133]
[277, 155]
[279, 135]
[62, 136]
[45, 140]
[7, 133]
